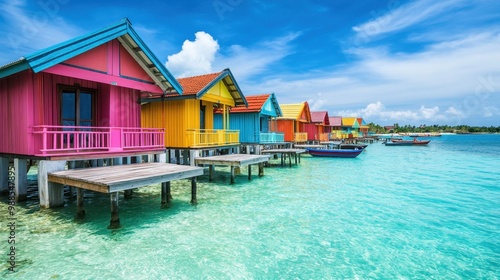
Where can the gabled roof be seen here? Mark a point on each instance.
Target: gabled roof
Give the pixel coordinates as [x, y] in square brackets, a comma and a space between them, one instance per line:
[122, 31]
[295, 111]
[352, 122]
[320, 117]
[256, 103]
[197, 86]
[336, 121]
[361, 122]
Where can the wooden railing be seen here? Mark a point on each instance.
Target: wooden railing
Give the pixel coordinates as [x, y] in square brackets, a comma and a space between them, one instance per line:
[212, 137]
[86, 139]
[272, 137]
[323, 137]
[300, 137]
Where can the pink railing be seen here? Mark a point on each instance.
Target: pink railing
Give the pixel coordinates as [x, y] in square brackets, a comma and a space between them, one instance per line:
[85, 139]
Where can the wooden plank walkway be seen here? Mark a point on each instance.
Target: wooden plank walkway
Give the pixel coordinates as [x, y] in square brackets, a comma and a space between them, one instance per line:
[304, 146]
[233, 161]
[112, 179]
[284, 153]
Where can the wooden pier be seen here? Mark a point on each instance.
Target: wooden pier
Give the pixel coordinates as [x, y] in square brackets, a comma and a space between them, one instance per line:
[234, 161]
[286, 153]
[112, 179]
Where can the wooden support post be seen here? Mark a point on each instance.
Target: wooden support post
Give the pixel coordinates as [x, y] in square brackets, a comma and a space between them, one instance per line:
[232, 174]
[282, 160]
[115, 211]
[80, 212]
[261, 169]
[166, 196]
[128, 193]
[257, 149]
[177, 156]
[185, 157]
[249, 172]
[290, 159]
[193, 154]
[162, 157]
[4, 174]
[117, 161]
[193, 191]
[21, 179]
[295, 155]
[299, 158]
[210, 172]
[51, 194]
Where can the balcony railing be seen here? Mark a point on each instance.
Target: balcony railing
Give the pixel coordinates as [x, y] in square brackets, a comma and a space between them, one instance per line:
[272, 137]
[300, 137]
[212, 137]
[324, 137]
[88, 139]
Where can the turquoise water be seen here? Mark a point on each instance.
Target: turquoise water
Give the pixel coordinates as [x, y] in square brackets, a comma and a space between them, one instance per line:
[393, 212]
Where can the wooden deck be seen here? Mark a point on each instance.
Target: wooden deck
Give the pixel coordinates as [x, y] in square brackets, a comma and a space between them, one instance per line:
[233, 161]
[112, 179]
[304, 146]
[286, 153]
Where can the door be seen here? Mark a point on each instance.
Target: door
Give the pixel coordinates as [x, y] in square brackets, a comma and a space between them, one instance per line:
[77, 107]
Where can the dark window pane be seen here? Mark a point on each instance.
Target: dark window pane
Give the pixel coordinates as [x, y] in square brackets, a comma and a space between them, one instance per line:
[85, 106]
[68, 105]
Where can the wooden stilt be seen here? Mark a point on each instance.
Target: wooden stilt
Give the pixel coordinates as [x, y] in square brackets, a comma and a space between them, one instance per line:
[115, 211]
[128, 194]
[249, 172]
[290, 160]
[210, 172]
[261, 169]
[80, 212]
[282, 160]
[4, 174]
[166, 196]
[21, 179]
[232, 174]
[50, 194]
[193, 191]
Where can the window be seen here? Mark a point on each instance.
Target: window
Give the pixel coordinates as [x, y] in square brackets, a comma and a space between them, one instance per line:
[77, 106]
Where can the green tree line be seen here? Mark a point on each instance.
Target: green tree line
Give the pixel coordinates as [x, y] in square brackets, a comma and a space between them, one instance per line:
[375, 128]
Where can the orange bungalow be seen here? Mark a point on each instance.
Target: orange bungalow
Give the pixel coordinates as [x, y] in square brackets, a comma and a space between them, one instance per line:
[319, 127]
[293, 121]
[188, 120]
[363, 128]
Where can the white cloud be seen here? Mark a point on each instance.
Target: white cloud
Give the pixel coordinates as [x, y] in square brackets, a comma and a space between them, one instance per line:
[196, 57]
[395, 18]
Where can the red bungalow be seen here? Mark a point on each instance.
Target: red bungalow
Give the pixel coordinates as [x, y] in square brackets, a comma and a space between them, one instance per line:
[319, 127]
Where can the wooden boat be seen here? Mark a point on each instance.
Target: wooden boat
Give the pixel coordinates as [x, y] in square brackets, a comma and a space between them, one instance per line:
[401, 142]
[341, 153]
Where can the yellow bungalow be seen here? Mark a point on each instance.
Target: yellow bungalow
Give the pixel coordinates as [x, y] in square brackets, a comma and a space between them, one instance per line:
[350, 127]
[188, 120]
[293, 121]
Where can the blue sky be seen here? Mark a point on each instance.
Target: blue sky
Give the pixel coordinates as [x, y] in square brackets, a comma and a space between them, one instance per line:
[407, 62]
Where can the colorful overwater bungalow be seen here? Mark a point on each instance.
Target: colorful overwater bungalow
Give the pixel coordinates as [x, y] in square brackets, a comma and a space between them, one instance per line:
[319, 127]
[293, 121]
[336, 126]
[363, 127]
[350, 127]
[188, 120]
[257, 122]
[78, 100]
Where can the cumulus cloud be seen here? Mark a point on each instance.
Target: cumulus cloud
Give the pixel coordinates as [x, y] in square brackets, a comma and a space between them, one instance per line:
[377, 112]
[195, 58]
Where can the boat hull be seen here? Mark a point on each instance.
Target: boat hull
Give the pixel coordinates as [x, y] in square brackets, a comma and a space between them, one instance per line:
[335, 153]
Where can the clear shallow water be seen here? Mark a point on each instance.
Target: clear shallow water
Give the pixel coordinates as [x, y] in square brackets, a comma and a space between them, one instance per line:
[393, 212]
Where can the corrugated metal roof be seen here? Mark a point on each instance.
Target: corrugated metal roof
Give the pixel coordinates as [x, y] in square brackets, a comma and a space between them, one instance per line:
[353, 122]
[320, 117]
[336, 121]
[295, 111]
[122, 31]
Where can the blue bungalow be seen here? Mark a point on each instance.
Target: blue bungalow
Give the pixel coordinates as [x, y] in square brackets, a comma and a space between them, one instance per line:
[255, 122]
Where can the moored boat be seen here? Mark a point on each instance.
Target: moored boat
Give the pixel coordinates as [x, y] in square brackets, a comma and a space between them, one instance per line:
[341, 153]
[401, 142]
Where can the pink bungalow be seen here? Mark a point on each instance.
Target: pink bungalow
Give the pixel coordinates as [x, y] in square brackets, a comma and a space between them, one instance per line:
[79, 100]
[319, 127]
